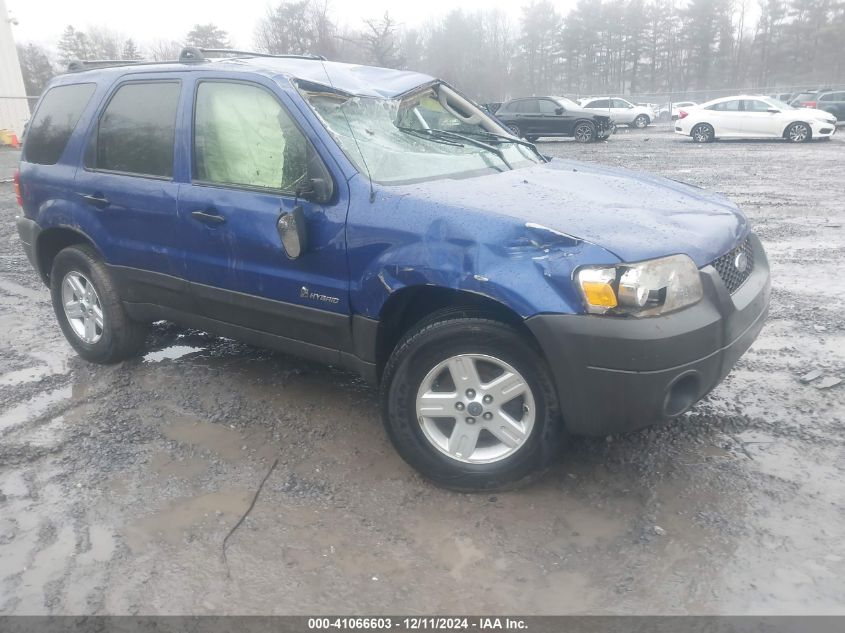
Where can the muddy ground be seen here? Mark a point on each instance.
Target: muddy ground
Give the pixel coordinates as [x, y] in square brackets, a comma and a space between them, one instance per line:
[118, 484]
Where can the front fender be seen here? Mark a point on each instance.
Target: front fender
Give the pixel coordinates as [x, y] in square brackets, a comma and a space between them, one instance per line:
[526, 267]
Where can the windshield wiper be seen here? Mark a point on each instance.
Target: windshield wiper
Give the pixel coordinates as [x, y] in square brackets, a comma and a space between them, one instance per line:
[507, 139]
[441, 135]
[422, 133]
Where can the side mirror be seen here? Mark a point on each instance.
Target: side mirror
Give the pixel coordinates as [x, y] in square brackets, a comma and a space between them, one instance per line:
[559, 110]
[291, 228]
[318, 190]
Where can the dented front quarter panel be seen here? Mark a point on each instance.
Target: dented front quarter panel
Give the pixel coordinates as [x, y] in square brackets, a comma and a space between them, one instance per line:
[402, 240]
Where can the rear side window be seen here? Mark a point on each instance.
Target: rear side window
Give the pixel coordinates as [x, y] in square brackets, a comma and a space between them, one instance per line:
[244, 137]
[726, 106]
[833, 96]
[136, 130]
[55, 121]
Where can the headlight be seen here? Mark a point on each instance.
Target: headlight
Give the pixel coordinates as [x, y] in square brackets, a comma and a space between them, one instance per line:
[643, 289]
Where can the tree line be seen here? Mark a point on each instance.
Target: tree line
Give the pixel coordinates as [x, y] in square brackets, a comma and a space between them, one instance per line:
[600, 47]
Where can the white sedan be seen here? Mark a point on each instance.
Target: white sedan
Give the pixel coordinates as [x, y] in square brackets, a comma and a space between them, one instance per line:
[750, 116]
[622, 112]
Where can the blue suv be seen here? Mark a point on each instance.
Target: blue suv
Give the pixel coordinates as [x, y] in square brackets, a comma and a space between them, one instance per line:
[378, 220]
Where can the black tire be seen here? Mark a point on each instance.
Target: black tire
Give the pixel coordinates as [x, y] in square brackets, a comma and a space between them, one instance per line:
[798, 132]
[532, 138]
[584, 132]
[120, 337]
[641, 122]
[703, 133]
[459, 332]
[515, 130]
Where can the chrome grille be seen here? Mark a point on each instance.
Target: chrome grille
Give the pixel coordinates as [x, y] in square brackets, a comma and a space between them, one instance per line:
[732, 276]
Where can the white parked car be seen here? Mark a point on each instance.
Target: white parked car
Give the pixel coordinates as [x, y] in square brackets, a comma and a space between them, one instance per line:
[664, 114]
[753, 116]
[622, 112]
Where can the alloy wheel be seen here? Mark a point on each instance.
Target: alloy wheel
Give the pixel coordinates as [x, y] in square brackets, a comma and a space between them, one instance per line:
[798, 133]
[82, 307]
[475, 408]
[584, 133]
[701, 133]
[641, 122]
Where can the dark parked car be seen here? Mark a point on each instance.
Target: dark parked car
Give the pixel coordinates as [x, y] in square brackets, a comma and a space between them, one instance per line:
[833, 102]
[533, 117]
[498, 297]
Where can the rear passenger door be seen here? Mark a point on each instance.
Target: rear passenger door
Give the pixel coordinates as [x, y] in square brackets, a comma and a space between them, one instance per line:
[833, 102]
[249, 157]
[126, 183]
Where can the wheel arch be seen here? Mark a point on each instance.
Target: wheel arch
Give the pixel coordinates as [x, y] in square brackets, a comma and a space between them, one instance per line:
[52, 240]
[411, 305]
[791, 123]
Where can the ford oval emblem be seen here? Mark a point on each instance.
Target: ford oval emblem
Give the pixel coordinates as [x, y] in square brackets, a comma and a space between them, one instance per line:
[741, 261]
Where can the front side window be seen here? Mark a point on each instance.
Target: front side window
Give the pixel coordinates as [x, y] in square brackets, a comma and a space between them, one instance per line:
[755, 105]
[599, 103]
[244, 137]
[424, 135]
[136, 130]
[621, 103]
[54, 122]
[548, 107]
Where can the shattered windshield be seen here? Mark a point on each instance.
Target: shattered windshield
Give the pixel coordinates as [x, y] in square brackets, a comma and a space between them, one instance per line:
[416, 138]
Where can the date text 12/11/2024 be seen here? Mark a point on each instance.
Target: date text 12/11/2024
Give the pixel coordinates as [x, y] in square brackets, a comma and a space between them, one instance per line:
[417, 623]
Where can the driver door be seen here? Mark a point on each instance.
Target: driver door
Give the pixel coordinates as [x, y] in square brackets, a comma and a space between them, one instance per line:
[249, 160]
[758, 121]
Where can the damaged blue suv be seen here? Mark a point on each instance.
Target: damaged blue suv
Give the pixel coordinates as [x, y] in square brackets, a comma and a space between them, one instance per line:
[378, 220]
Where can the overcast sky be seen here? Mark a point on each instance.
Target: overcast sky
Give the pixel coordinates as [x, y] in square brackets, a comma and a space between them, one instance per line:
[42, 21]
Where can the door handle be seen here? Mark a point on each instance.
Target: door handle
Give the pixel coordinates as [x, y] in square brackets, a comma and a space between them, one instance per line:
[208, 218]
[96, 199]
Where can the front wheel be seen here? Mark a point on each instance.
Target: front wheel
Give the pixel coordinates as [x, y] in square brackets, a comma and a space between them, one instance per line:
[703, 133]
[515, 130]
[641, 122]
[470, 404]
[584, 132]
[799, 133]
[89, 309]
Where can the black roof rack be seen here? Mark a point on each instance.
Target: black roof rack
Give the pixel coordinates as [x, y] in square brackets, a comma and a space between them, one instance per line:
[188, 55]
[236, 52]
[76, 65]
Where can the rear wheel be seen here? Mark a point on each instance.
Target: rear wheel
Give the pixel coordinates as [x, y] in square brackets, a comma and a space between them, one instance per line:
[89, 309]
[584, 132]
[470, 404]
[703, 133]
[799, 133]
[641, 122]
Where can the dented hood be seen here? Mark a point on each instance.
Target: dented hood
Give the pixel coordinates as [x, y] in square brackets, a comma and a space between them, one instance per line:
[635, 216]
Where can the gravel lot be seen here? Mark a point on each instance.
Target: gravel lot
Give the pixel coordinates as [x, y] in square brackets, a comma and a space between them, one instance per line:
[118, 484]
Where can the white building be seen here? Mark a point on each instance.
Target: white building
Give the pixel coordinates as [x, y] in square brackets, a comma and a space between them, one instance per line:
[14, 111]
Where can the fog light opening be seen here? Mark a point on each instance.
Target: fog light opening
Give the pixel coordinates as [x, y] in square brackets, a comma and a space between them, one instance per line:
[681, 395]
